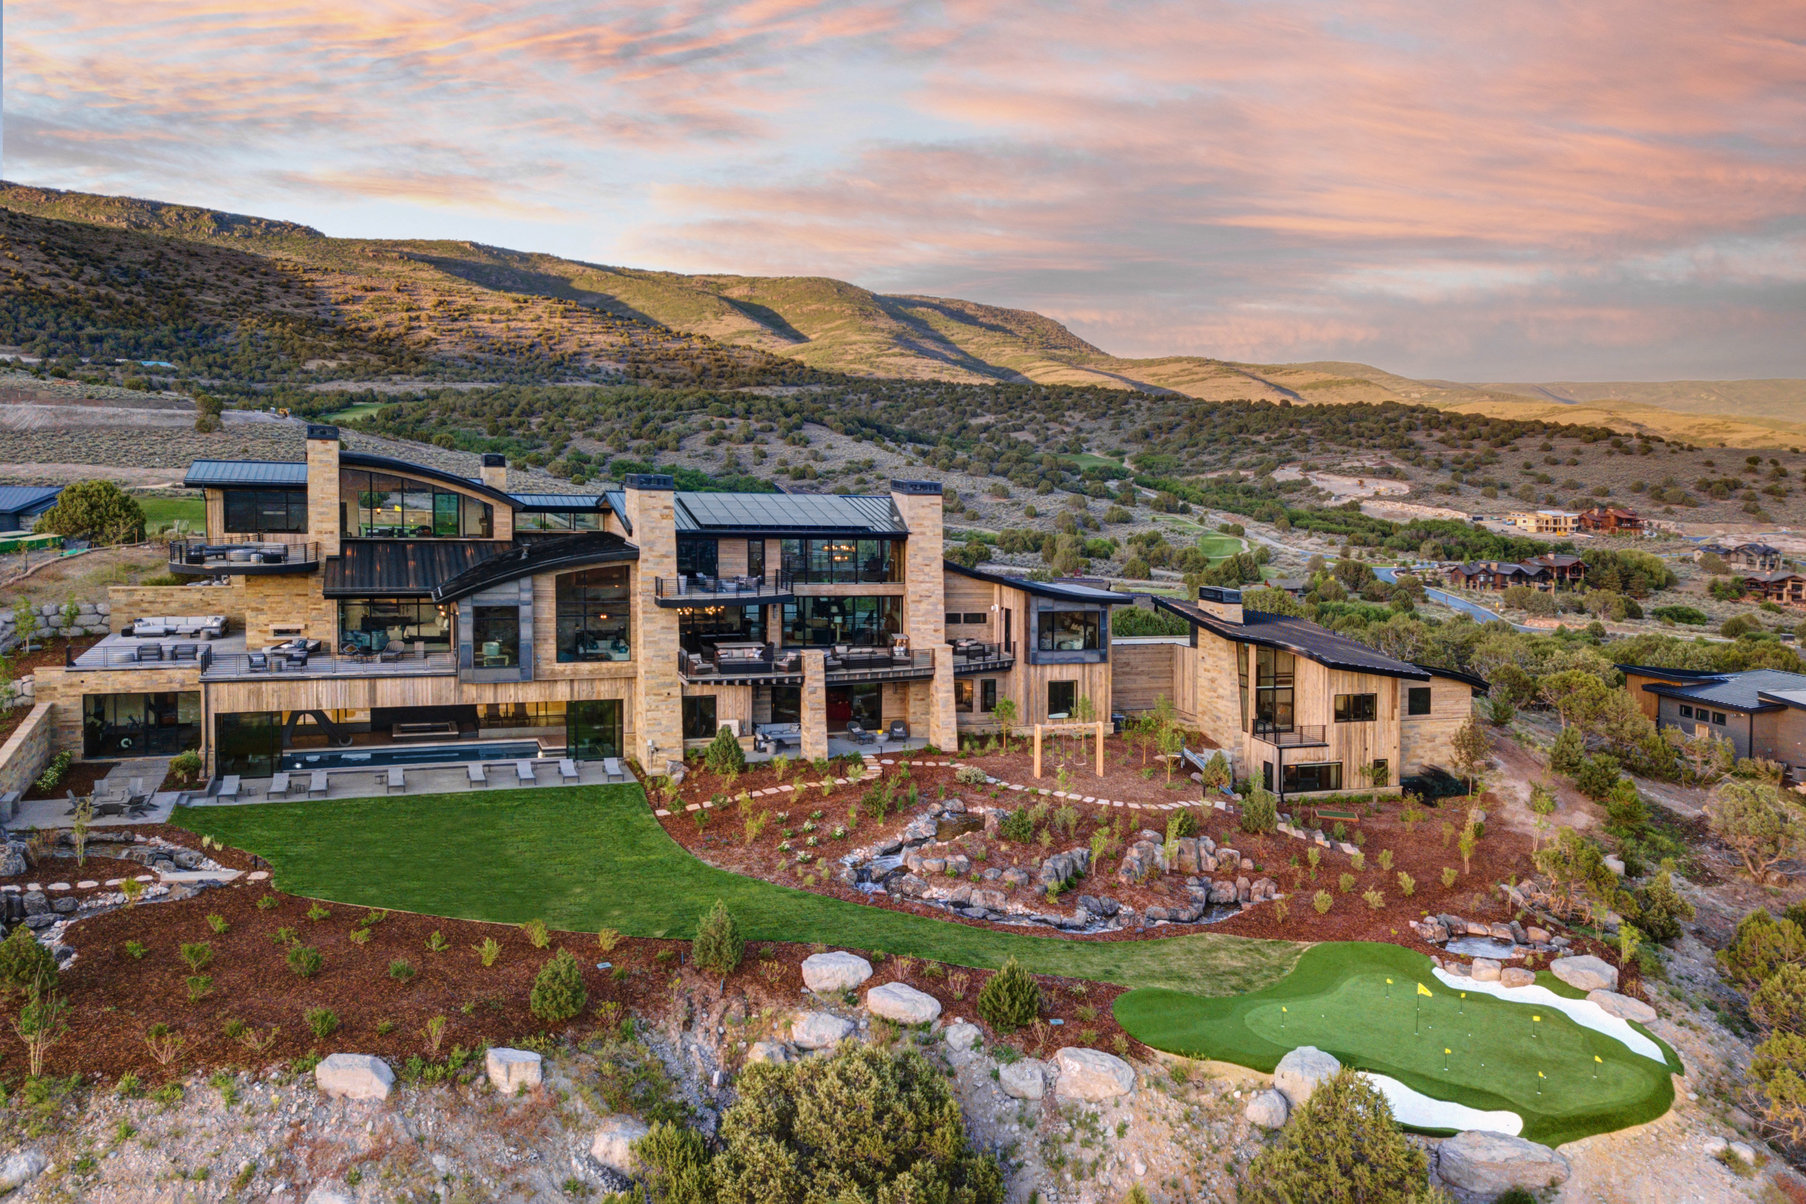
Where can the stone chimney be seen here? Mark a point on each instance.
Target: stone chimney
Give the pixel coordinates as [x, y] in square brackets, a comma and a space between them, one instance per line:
[650, 501]
[495, 471]
[924, 598]
[1221, 603]
[323, 487]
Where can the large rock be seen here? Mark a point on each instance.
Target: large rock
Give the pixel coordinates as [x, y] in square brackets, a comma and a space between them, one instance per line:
[818, 1030]
[1268, 1109]
[354, 1076]
[21, 1168]
[902, 1004]
[1490, 1164]
[511, 1069]
[1585, 973]
[613, 1144]
[12, 861]
[1026, 1079]
[767, 1051]
[1622, 1006]
[962, 1036]
[1093, 1075]
[832, 973]
[1485, 969]
[1301, 1071]
[1516, 976]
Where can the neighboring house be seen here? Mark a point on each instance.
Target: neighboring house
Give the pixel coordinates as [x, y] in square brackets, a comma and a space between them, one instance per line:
[631, 622]
[1043, 644]
[1610, 520]
[1783, 586]
[1541, 572]
[1759, 556]
[1562, 569]
[1762, 712]
[22, 505]
[1302, 709]
[1545, 522]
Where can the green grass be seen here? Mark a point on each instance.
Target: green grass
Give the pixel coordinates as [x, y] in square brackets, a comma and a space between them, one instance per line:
[160, 512]
[362, 409]
[1218, 546]
[1084, 460]
[591, 857]
[1336, 999]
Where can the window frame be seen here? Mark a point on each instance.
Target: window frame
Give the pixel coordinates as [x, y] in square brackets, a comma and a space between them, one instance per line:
[691, 716]
[579, 609]
[1412, 694]
[1069, 684]
[1357, 708]
[262, 503]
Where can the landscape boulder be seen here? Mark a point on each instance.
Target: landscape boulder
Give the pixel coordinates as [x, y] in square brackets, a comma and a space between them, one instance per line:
[1490, 1164]
[613, 1144]
[1093, 1075]
[767, 1051]
[354, 1076]
[1586, 973]
[1516, 976]
[1026, 1079]
[12, 860]
[962, 1036]
[832, 973]
[902, 1004]
[1301, 1071]
[1268, 1109]
[1622, 1006]
[1485, 969]
[21, 1168]
[818, 1030]
[329, 1193]
[511, 1069]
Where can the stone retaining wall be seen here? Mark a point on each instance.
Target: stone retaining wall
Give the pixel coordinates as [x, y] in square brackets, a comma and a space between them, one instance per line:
[26, 751]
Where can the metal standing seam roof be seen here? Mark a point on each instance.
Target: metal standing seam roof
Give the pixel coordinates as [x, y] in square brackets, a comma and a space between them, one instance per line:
[1307, 639]
[24, 497]
[535, 557]
[1736, 691]
[223, 473]
[403, 567]
[559, 501]
[829, 513]
[1066, 590]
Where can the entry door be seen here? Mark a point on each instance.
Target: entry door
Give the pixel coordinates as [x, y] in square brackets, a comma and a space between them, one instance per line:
[755, 558]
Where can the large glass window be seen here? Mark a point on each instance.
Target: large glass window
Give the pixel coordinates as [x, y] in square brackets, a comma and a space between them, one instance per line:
[823, 621]
[698, 557]
[1307, 778]
[266, 511]
[699, 718]
[1357, 708]
[697, 629]
[557, 522]
[842, 561]
[248, 744]
[1274, 671]
[975, 695]
[495, 636]
[594, 621]
[1417, 700]
[371, 624]
[136, 725]
[380, 505]
[1062, 697]
[1070, 630]
[593, 729]
[861, 704]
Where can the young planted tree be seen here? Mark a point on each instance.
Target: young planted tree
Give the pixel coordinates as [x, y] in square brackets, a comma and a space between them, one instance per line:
[1342, 1145]
[1005, 713]
[718, 946]
[1472, 751]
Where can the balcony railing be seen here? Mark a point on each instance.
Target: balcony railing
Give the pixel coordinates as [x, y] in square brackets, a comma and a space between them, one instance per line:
[256, 665]
[977, 656]
[1301, 734]
[764, 662]
[194, 557]
[694, 589]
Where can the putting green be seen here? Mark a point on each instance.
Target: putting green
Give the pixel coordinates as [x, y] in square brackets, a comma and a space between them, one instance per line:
[1499, 1058]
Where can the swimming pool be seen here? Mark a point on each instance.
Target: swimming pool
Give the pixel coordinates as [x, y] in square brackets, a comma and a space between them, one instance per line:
[417, 754]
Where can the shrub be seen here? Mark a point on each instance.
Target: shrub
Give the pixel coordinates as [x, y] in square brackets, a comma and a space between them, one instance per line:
[316, 913]
[436, 942]
[1754, 819]
[1407, 885]
[199, 987]
[718, 946]
[402, 970]
[1385, 859]
[1759, 947]
[186, 766]
[1596, 775]
[25, 964]
[1341, 1145]
[322, 1022]
[1322, 901]
[863, 1124]
[1659, 908]
[305, 960]
[1449, 875]
[675, 1163]
[99, 510]
[218, 924]
[724, 754]
[55, 771]
[1018, 826]
[607, 939]
[197, 956]
[1010, 999]
[1568, 751]
[1375, 899]
[1346, 881]
[488, 951]
[558, 991]
[970, 775]
[1260, 812]
[536, 934]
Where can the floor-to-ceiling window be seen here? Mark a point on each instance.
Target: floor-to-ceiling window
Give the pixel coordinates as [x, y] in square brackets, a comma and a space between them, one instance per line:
[371, 624]
[699, 717]
[248, 744]
[137, 725]
[380, 505]
[697, 629]
[495, 636]
[1274, 671]
[593, 729]
[861, 704]
[819, 622]
[594, 623]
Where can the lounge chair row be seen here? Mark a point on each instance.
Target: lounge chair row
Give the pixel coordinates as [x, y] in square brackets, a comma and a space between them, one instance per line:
[394, 779]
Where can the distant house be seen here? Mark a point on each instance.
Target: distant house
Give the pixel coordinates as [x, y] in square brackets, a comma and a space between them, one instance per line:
[1562, 568]
[1783, 585]
[1610, 520]
[1759, 556]
[1762, 712]
[22, 505]
[1545, 522]
[1541, 572]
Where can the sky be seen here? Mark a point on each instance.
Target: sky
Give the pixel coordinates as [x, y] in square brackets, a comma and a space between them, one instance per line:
[1537, 190]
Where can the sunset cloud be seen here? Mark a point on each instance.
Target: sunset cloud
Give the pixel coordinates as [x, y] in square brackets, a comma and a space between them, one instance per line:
[1503, 192]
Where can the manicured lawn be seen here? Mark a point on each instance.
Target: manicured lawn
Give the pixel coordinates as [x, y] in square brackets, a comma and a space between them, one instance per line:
[362, 409]
[1218, 546]
[593, 857]
[160, 512]
[1337, 999]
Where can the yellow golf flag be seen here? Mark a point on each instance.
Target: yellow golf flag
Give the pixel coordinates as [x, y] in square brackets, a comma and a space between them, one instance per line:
[1599, 1059]
[1282, 1007]
[1388, 982]
[1425, 991]
[1540, 1074]
[1536, 1019]
[1446, 1050]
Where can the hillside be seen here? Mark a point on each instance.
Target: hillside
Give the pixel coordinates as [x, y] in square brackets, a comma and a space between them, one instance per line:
[249, 301]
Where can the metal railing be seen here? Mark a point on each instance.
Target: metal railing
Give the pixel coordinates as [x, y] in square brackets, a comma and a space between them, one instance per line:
[191, 555]
[695, 587]
[983, 657]
[773, 662]
[243, 665]
[1297, 734]
[164, 654]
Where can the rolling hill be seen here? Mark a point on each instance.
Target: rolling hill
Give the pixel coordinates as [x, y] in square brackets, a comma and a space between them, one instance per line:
[290, 303]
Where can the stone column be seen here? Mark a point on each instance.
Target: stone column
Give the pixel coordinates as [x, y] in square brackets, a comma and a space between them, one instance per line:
[815, 704]
[658, 691]
[323, 487]
[943, 723]
[924, 580]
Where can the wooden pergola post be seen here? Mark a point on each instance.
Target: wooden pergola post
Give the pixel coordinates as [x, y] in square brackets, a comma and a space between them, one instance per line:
[1100, 748]
[1037, 750]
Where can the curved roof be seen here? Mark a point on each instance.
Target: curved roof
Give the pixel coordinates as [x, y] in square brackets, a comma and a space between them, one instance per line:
[351, 459]
[1065, 590]
[535, 557]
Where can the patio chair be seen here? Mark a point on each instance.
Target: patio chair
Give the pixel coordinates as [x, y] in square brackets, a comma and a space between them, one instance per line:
[149, 652]
[899, 730]
[476, 773]
[279, 784]
[393, 651]
[137, 787]
[567, 771]
[523, 772]
[611, 769]
[857, 734]
[397, 780]
[184, 652]
[228, 789]
[317, 784]
[259, 662]
[108, 810]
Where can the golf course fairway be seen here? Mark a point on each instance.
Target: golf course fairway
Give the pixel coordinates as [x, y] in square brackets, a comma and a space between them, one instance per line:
[1566, 1081]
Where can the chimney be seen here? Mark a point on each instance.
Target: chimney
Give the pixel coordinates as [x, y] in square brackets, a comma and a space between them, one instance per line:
[495, 471]
[323, 487]
[1221, 603]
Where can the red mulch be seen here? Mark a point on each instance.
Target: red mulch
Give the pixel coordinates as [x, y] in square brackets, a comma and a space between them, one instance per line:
[64, 869]
[51, 652]
[81, 778]
[1126, 778]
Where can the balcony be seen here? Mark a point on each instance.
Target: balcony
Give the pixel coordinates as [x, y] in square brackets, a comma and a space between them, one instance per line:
[197, 558]
[1302, 735]
[294, 664]
[784, 666]
[689, 591]
[977, 656]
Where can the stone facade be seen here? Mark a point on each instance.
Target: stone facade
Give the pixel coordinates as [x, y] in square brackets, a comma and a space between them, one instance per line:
[323, 488]
[815, 704]
[288, 601]
[26, 751]
[63, 689]
[658, 702]
[1430, 739]
[130, 602]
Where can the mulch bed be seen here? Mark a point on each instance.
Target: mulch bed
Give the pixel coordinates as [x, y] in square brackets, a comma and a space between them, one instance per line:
[82, 777]
[50, 652]
[64, 869]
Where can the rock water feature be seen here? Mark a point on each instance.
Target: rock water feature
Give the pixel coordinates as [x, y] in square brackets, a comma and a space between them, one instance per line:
[927, 862]
[1488, 944]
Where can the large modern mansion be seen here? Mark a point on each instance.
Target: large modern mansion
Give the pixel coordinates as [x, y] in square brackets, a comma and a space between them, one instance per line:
[351, 609]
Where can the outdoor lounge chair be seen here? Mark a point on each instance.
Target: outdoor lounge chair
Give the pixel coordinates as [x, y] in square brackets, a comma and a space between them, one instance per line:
[567, 771]
[279, 784]
[857, 734]
[899, 730]
[523, 772]
[476, 773]
[228, 789]
[393, 651]
[317, 784]
[611, 769]
[108, 810]
[397, 780]
[149, 652]
[259, 662]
